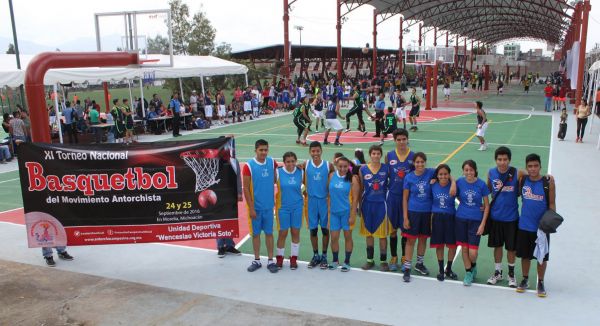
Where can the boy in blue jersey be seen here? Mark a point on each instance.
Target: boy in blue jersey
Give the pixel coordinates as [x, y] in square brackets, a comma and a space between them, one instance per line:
[259, 176]
[400, 163]
[331, 121]
[316, 172]
[538, 196]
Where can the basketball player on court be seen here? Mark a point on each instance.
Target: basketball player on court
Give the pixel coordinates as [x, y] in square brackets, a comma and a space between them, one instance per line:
[415, 103]
[357, 109]
[482, 125]
[331, 121]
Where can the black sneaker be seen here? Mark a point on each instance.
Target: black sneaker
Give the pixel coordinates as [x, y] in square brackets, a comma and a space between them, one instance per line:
[406, 276]
[50, 261]
[337, 143]
[451, 275]
[523, 286]
[233, 251]
[421, 269]
[272, 267]
[314, 262]
[440, 277]
[221, 253]
[541, 291]
[65, 256]
[326, 143]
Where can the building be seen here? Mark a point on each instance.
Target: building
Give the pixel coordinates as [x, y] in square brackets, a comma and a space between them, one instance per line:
[512, 51]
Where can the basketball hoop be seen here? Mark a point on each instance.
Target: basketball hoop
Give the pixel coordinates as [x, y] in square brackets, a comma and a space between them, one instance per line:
[205, 164]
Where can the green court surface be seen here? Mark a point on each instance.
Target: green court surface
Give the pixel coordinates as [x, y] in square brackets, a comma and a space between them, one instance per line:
[449, 140]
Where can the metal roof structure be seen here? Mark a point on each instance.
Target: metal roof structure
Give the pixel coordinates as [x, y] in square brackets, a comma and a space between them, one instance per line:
[487, 21]
[275, 52]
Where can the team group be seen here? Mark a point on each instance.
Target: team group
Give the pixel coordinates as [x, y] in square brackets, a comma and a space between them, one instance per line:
[396, 191]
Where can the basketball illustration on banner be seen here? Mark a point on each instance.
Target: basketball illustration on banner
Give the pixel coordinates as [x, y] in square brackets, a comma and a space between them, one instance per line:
[207, 198]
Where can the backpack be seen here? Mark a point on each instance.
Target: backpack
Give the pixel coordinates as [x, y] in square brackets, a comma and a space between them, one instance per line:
[551, 220]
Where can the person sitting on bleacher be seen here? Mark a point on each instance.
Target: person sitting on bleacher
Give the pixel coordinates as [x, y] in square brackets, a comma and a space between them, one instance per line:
[154, 128]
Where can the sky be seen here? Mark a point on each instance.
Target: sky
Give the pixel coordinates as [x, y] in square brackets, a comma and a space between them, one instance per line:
[69, 24]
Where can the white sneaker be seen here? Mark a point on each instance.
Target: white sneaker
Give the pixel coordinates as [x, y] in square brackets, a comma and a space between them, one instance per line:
[495, 278]
[512, 282]
[484, 146]
[480, 148]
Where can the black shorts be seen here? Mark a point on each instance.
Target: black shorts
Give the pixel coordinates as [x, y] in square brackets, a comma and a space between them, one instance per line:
[414, 111]
[526, 244]
[503, 234]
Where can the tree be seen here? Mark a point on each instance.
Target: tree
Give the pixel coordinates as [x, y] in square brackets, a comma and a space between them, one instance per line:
[223, 51]
[11, 49]
[158, 45]
[202, 36]
[180, 26]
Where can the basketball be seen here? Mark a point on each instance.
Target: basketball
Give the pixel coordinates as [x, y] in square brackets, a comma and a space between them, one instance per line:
[207, 198]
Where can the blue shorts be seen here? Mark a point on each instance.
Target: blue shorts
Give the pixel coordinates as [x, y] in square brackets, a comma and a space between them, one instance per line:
[290, 217]
[286, 100]
[394, 210]
[420, 225]
[466, 233]
[317, 212]
[442, 231]
[373, 214]
[339, 220]
[262, 223]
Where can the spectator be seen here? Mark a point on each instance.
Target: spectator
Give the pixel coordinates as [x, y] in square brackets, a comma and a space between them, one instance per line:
[94, 117]
[17, 129]
[194, 102]
[548, 92]
[174, 107]
[80, 110]
[582, 112]
[62, 254]
[70, 122]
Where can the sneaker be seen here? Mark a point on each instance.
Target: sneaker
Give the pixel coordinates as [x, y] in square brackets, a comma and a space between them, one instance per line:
[524, 285]
[65, 256]
[345, 268]
[233, 251]
[451, 275]
[368, 265]
[365, 133]
[326, 143]
[314, 261]
[480, 148]
[541, 291]
[347, 130]
[468, 280]
[384, 267]
[297, 141]
[485, 147]
[324, 264]
[279, 261]
[421, 269]
[440, 277]
[294, 262]
[221, 252]
[474, 271]
[272, 268]
[406, 276]
[50, 261]
[254, 266]
[337, 143]
[495, 278]
[376, 136]
[394, 264]
[512, 282]
[333, 266]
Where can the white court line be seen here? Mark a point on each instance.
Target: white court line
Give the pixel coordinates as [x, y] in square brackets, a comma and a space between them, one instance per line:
[11, 210]
[9, 180]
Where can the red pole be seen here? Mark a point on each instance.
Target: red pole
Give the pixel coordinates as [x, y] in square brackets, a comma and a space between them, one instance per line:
[428, 85]
[286, 40]
[400, 67]
[420, 35]
[456, 54]
[584, 28]
[471, 56]
[435, 85]
[338, 26]
[374, 43]
[486, 85]
[465, 55]
[106, 97]
[39, 65]
[446, 39]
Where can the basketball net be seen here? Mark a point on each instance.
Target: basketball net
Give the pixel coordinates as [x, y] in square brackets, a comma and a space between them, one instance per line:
[206, 170]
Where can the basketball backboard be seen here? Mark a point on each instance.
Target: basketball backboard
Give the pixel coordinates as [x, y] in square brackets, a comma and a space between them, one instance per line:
[419, 55]
[444, 54]
[147, 32]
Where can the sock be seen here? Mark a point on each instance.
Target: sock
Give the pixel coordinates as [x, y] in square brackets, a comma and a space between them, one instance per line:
[382, 257]
[315, 252]
[407, 265]
[324, 253]
[335, 256]
[394, 246]
[347, 258]
[525, 277]
[370, 253]
[498, 267]
[511, 270]
[257, 260]
[420, 259]
[449, 265]
[473, 265]
[295, 249]
[270, 261]
[337, 139]
[441, 266]
[469, 269]
[280, 251]
[403, 243]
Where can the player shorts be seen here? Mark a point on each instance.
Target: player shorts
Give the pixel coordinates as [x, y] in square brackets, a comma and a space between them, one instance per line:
[394, 210]
[466, 233]
[442, 231]
[401, 113]
[262, 223]
[300, 122]
[290, 217]
[526, 244]
[446, 91]
[317, 212]
[247, 106]
[208, 111]
[318, 114]
[420, 225]
[414, 111]
[503, 234]
[374, 222]
[339, 220]
[222, 111]
[501, 89]
[481, 131]
[333, 124]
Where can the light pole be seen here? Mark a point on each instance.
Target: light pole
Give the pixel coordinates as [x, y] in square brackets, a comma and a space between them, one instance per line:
[300, 29]
[16, 44]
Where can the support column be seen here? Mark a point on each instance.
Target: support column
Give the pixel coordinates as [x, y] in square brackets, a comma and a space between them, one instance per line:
[400, 63]
[486, 74]
[507, 77]
[435, 85]
[456, 53]
[420, 35]
[338, 26]
[428, 73]
[286, 40]
[106, 98]
[471, 56]
[435, 37]
[465, 55]
[374, 43]
[583, 40]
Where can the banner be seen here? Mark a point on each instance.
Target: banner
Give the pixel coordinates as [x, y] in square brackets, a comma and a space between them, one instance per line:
[116, 193]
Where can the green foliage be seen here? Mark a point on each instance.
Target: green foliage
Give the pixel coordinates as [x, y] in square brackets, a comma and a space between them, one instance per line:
[202, 35]
[11, 49]
[158, 45]
[180, 26]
